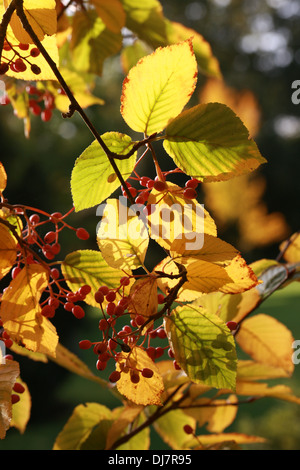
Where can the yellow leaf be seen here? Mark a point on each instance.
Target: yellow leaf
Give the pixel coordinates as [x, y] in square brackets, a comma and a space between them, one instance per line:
[22, 409]
[148, 105]
[20, 311]
[292, 248]
[126, 417]
[214, 250]
[243, 278]
[176, 218]
[148, 390]
[267, 341]
[42, 20]
[143, 297]
[3, 178]
[214, 415]
[255, 389]
[8, 250]
[239, 438]
[122, 238]
[248, 370]
[8, 374]
[112, 14]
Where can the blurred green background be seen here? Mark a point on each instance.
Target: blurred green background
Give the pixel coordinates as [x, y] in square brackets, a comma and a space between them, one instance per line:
[258, 46]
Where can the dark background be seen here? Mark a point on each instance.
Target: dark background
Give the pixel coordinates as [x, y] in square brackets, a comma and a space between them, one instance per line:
[258, 46]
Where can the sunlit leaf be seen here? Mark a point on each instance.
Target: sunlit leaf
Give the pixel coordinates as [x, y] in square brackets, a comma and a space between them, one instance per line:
[143, 297]
[170, 428]
[257, 389]
[92, 42]
[119, 427]
[147, 391]
[81, 424]
[203, 346]
[88, 267]
[20, 311]
[3, 178]
[22, 409]
[249, 370]
[291, 248]
[177, 222]
[239, 438]
[112, 14]
[93, 178]
[8, 375]
[267, 341]
[8, 250]
[41, 16]
[122, 238]
[147, 105]
[209, 142]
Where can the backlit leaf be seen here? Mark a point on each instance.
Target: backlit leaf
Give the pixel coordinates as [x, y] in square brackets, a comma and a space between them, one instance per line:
[148, 390]
[22, 409]
[209, 142]
[257, 389]
[249, 370]
[292, 248]
[112, 14]
[81, 424]
[42, 20]
[92, 42]
[8, 375]
[203, 346]
[93, 178]
[89, 267]
[143, 297]
[3, 178]
[147, 105]
[20, 311]
[122, 238]
[267, 341]
[170, 428]
[176, 219]
[119, 427]
[8, 250]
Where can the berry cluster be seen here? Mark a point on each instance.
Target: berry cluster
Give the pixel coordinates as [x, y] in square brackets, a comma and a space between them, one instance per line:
[34, 248]
[41, 103]
[141, 195]
[115, 341]
[20, 61]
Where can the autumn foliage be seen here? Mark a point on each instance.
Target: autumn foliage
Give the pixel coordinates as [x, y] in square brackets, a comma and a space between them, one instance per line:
[198, 299]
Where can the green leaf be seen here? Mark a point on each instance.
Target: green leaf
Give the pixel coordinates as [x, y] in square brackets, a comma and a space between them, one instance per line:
[170, 429]
[203, 346]
[88, 267]
[210, 143]
[93, 178]
[92, 42]
[80, 425]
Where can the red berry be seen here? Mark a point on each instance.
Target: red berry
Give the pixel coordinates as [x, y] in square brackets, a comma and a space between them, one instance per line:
[14, 398]
[69, 306]
[53, 302]
[125, 281]
[192, 183]
[139, 319]
[15, 272]
[232, 325]
[144, 180]
[188, 429]
[158, 352]
[101, 365]
[46, 115]
[85, 290]
[159, 185]
[35, 69]
[103, 325]
[112, 344]
[78, 311]
[85, 344]
[119, 310]
[18, 388]
[104, 290]
[19, 65]
[151, 352]
[54, 273]
[176, 365]
[160, 298]
[49, 237]
[190, 193]
[148, 373]
[55, 248]
[114, 376]
[134, 377]
[82, 234]
[150, 184]
[161, 333]
[4, 68]
[23, 47]
[8, 343]
[55, 217]
[99, 297]
[110, 296]
[34, 219]
[34, 52]
[48, 311]
[110, 308]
